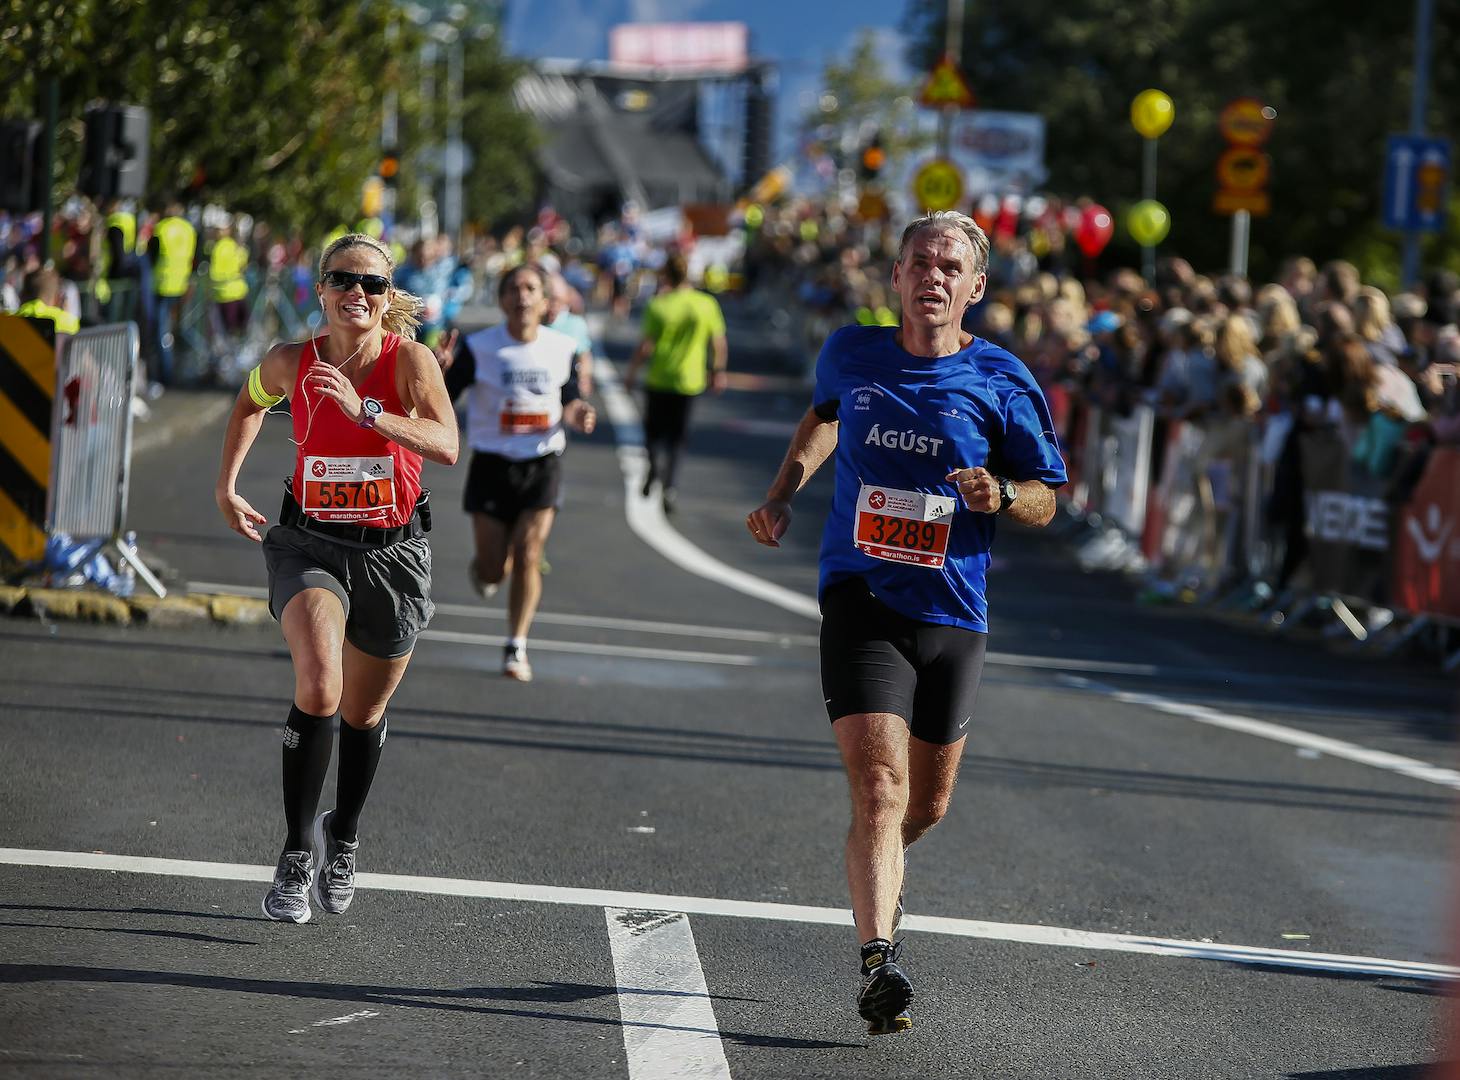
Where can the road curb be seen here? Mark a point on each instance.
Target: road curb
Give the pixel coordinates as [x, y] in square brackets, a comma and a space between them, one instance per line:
[89, 605]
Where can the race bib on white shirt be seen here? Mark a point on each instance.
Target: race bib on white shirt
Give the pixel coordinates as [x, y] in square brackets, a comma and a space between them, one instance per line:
[903, 526]
[515, 406]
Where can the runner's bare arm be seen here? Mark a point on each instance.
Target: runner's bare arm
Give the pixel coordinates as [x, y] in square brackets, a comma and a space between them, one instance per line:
[1034, 506]
[720, 363]
[812, 443]
[275, 377]
[431, 431]
[641, 354]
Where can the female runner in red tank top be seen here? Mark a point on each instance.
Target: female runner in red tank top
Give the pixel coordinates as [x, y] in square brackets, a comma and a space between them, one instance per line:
[349, 565]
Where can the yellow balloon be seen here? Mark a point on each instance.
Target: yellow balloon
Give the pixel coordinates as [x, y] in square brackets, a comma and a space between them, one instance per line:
[1148, 222]
[1152, 112]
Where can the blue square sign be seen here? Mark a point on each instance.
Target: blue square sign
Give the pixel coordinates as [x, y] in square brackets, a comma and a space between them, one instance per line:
[1416, 182]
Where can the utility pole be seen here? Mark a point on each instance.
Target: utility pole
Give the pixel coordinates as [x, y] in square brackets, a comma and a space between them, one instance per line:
[1424, 18]
[50, 108]
[953, 47]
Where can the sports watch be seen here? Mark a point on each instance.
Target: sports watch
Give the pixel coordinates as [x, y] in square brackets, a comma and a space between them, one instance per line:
[370, 411]
[1008, 492]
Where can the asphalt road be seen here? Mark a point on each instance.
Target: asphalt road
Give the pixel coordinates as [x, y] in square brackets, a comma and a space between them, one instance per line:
[1154, 865]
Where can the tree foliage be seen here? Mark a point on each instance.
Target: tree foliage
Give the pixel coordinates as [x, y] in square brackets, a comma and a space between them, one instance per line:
[272, 108]
[1338, 72]
[858, 99]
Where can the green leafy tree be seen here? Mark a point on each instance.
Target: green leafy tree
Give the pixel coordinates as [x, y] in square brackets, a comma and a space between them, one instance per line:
[504, 178]
[857, 98]
[1338, 72]
[271, 108]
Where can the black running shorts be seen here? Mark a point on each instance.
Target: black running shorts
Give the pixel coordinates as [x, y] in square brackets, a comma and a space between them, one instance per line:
[386, 591]
[503, 488]
[666, 418]
[876, 660]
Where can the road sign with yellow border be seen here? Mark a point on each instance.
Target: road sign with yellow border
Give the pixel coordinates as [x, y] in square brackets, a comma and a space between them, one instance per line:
[946, 87]
[1245, 122]
[938, 185]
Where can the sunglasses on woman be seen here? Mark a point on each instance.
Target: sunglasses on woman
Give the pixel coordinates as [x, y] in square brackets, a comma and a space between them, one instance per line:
[373, 284]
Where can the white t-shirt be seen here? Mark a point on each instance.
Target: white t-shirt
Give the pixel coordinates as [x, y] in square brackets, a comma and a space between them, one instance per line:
[515, 403]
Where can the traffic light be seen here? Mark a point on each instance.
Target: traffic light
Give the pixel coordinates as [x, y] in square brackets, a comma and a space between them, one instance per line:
[873, 158]
[390, 166]
[115, 159]
[20, 165]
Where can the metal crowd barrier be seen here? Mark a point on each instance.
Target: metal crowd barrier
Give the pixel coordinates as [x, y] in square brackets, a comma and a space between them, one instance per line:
[1383, 562]
[91, 441]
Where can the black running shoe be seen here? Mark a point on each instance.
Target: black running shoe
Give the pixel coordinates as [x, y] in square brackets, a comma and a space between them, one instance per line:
[886, 989]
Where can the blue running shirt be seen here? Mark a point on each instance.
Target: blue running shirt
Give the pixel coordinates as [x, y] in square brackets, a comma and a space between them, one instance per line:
[906, 423]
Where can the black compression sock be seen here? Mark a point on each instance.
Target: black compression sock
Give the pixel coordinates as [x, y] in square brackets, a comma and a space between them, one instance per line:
[359, 755]
[307, 741]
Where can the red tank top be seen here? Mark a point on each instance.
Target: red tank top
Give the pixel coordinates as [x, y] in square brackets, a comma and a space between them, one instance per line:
[344, 472]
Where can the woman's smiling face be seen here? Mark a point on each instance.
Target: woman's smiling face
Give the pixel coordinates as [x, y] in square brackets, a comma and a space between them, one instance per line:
[352, 308]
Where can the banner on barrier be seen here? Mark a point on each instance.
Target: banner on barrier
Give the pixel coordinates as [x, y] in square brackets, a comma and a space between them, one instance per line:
[1427, 542]
[1347, 519]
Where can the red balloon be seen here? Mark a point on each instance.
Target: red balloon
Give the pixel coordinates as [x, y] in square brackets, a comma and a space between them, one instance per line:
[1094, 231]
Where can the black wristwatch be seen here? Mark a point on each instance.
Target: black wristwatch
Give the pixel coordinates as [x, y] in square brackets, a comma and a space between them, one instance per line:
[1008, 492]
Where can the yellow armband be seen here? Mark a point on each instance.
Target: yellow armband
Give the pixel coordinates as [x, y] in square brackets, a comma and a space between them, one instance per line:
[261, 397]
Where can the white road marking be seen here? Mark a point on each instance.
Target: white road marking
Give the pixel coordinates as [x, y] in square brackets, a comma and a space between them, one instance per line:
[550, 618]
[334, 1021]
[1266, 729]
[754, 909]
[594, 649]
[669, 1025]
[646, 516]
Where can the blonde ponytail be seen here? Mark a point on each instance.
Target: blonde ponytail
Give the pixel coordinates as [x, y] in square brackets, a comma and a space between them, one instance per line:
[403, 316]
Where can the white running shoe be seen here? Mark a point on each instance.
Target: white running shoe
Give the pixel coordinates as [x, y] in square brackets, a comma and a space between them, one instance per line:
[515, 665]
[486, 590]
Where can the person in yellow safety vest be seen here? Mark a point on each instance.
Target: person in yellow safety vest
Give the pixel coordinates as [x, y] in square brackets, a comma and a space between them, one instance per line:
[174, 246]
[226, 283]
[124, 282]
[40, 298]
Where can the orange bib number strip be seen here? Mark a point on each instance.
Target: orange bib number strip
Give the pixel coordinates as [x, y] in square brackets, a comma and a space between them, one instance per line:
[524, 423]
[348, 495]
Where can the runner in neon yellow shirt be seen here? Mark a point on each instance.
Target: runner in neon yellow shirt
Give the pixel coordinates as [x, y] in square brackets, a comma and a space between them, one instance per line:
[684, 345]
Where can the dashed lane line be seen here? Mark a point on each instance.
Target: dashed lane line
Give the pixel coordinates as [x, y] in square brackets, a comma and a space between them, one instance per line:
[669, 1024]
[1030, 934]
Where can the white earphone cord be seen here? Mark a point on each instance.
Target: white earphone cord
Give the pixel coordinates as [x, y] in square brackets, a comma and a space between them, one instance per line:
[304, 392]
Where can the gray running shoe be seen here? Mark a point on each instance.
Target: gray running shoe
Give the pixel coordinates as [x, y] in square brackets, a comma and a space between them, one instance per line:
[334, 868]
[288, 899]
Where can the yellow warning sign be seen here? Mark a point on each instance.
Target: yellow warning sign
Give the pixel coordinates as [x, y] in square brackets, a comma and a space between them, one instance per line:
[946, 87]
[27, 390]
[938, 185]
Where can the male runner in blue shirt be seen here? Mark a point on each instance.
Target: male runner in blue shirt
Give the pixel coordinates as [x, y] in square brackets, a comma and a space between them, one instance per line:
[935, 433]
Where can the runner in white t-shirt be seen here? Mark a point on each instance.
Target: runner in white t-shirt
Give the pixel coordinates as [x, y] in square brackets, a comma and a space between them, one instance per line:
[522, 393]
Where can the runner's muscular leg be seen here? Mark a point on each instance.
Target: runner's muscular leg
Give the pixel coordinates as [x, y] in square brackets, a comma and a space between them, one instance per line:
[491, 538]
[874, 749]
[932, 773]
[313, 622]
[369, 682]
[529, 538]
